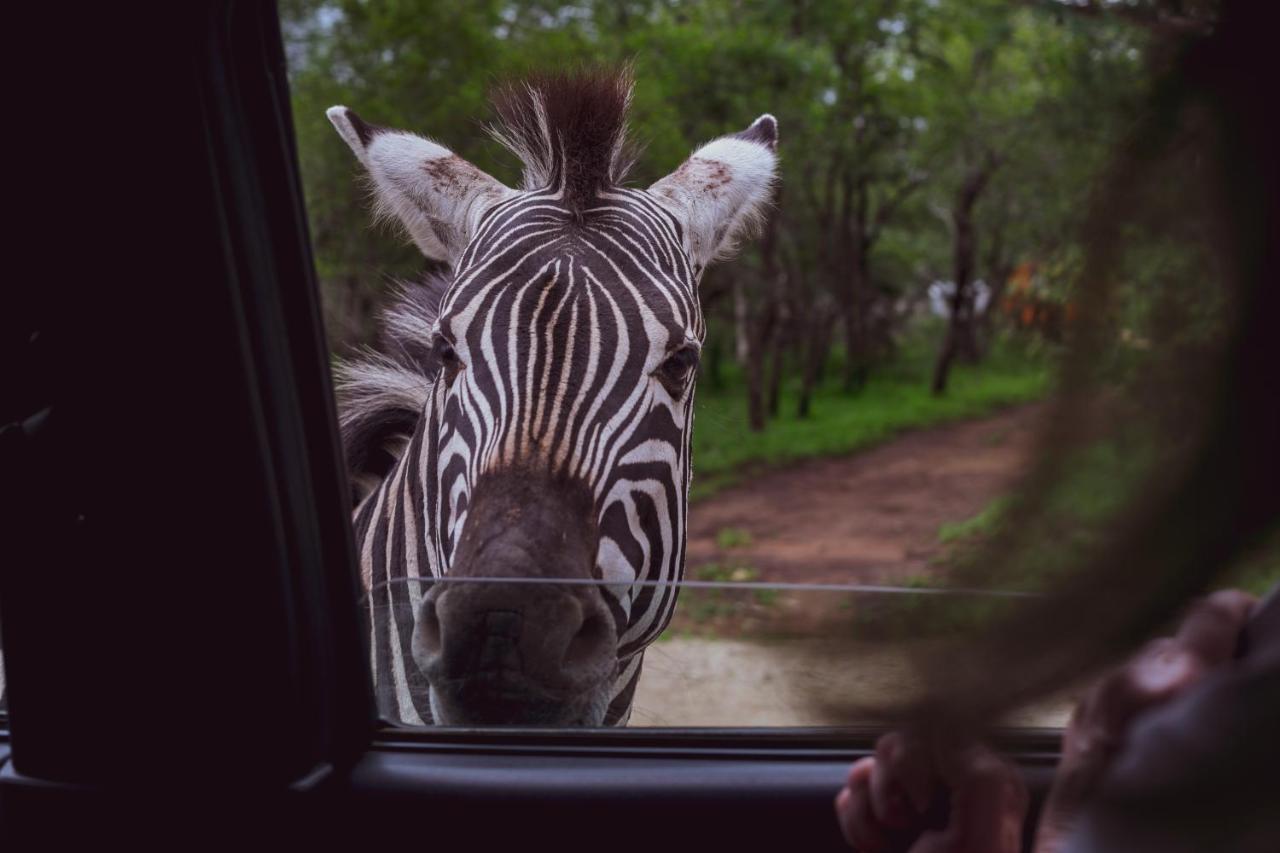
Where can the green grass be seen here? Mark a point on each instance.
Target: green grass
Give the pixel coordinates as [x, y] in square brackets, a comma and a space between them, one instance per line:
[703, 605]
[982, 524]
[728, 538]
[1099, 480]
[895, 399]
[726, 572]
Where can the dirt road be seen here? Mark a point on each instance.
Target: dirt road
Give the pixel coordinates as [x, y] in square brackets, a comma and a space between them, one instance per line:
[868, 518]
[872, 517]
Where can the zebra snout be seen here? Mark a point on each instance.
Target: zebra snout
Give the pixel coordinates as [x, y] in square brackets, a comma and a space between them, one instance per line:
[510, 653]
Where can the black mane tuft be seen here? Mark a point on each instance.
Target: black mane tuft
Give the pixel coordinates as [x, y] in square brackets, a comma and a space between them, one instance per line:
[382, 393]
[570, 127]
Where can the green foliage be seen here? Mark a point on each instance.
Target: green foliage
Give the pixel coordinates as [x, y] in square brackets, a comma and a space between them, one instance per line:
[868, 96]
[883, 108]
[1101, 480]
[882, 105]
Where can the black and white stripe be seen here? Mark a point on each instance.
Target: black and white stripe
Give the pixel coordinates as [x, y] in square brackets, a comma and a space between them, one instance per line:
[550, 351]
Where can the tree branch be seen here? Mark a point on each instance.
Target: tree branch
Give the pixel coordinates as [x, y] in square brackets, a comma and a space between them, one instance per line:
[889, 207]
[1154, 20]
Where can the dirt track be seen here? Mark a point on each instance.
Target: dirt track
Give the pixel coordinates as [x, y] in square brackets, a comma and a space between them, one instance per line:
[868, 518]
[872, 517]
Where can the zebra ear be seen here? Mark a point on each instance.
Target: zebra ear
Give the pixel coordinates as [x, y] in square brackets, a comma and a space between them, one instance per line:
[721, 191]
[436, 195]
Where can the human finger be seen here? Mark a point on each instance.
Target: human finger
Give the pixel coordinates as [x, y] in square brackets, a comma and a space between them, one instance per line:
[902, 780]
[854, 811]
[987, 808]
[1212, 625]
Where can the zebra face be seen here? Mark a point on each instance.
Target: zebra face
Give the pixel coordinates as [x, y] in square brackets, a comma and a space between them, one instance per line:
[550, 435]
[569, 349]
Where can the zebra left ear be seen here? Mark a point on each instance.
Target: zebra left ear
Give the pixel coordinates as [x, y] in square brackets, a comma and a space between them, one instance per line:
[436, 195]
[721, 191]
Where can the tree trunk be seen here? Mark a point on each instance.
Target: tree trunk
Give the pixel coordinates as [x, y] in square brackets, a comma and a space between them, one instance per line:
[715, 364]
[753, 331]
[942, 369]
[817, 347]
[756, 414]
[757, 405]
[999, 269]
[959, 340]
[857, 276]
[741, 324]
[748, 355]
[776, 365]
[857, 363]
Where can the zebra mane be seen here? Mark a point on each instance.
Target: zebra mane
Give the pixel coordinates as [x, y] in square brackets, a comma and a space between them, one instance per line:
[570, 127]
[382, 391]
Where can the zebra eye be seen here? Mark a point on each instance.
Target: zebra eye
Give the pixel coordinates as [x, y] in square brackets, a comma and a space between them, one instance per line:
[674, 372]
[447, 357]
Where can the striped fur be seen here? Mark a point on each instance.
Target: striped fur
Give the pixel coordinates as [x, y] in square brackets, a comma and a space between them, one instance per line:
[565, 343]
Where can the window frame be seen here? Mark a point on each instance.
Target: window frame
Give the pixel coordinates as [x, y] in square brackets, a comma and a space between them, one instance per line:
[739, 782]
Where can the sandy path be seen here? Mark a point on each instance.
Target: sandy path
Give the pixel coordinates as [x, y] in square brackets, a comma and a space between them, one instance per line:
[868, 518]
[689, 681]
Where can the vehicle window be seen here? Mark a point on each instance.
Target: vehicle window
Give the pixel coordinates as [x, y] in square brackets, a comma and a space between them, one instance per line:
[753, 435]
[735, 654]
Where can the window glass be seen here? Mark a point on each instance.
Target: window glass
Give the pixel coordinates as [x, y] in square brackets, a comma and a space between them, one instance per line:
[736, 653]
[850, 377]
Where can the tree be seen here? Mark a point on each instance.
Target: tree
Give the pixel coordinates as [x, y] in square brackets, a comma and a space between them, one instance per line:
[895, 116]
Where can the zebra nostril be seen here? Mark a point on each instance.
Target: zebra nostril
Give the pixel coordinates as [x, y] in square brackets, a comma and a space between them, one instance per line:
[587, 644]
[428, 633]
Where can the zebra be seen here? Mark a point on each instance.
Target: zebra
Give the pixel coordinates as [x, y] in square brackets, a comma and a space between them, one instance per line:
[530, 411]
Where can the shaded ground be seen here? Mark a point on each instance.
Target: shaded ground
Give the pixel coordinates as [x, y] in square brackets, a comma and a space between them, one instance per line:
[870, 518]
[692, 681]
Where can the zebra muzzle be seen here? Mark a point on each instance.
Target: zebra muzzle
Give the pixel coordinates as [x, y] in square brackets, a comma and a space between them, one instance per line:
[499, 640]
[497, 654]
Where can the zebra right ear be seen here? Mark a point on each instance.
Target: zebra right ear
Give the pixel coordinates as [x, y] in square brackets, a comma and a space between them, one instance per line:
[722, 190]
[436, 195]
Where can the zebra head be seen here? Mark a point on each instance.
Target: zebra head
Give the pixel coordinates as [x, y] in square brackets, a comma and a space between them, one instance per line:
[532, 416]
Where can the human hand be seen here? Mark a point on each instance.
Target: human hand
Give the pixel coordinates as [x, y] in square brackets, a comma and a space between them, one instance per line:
[1164, 670]
[915, 798]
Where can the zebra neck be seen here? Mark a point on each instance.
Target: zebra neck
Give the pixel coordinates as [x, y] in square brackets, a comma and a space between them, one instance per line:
[624, 691]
